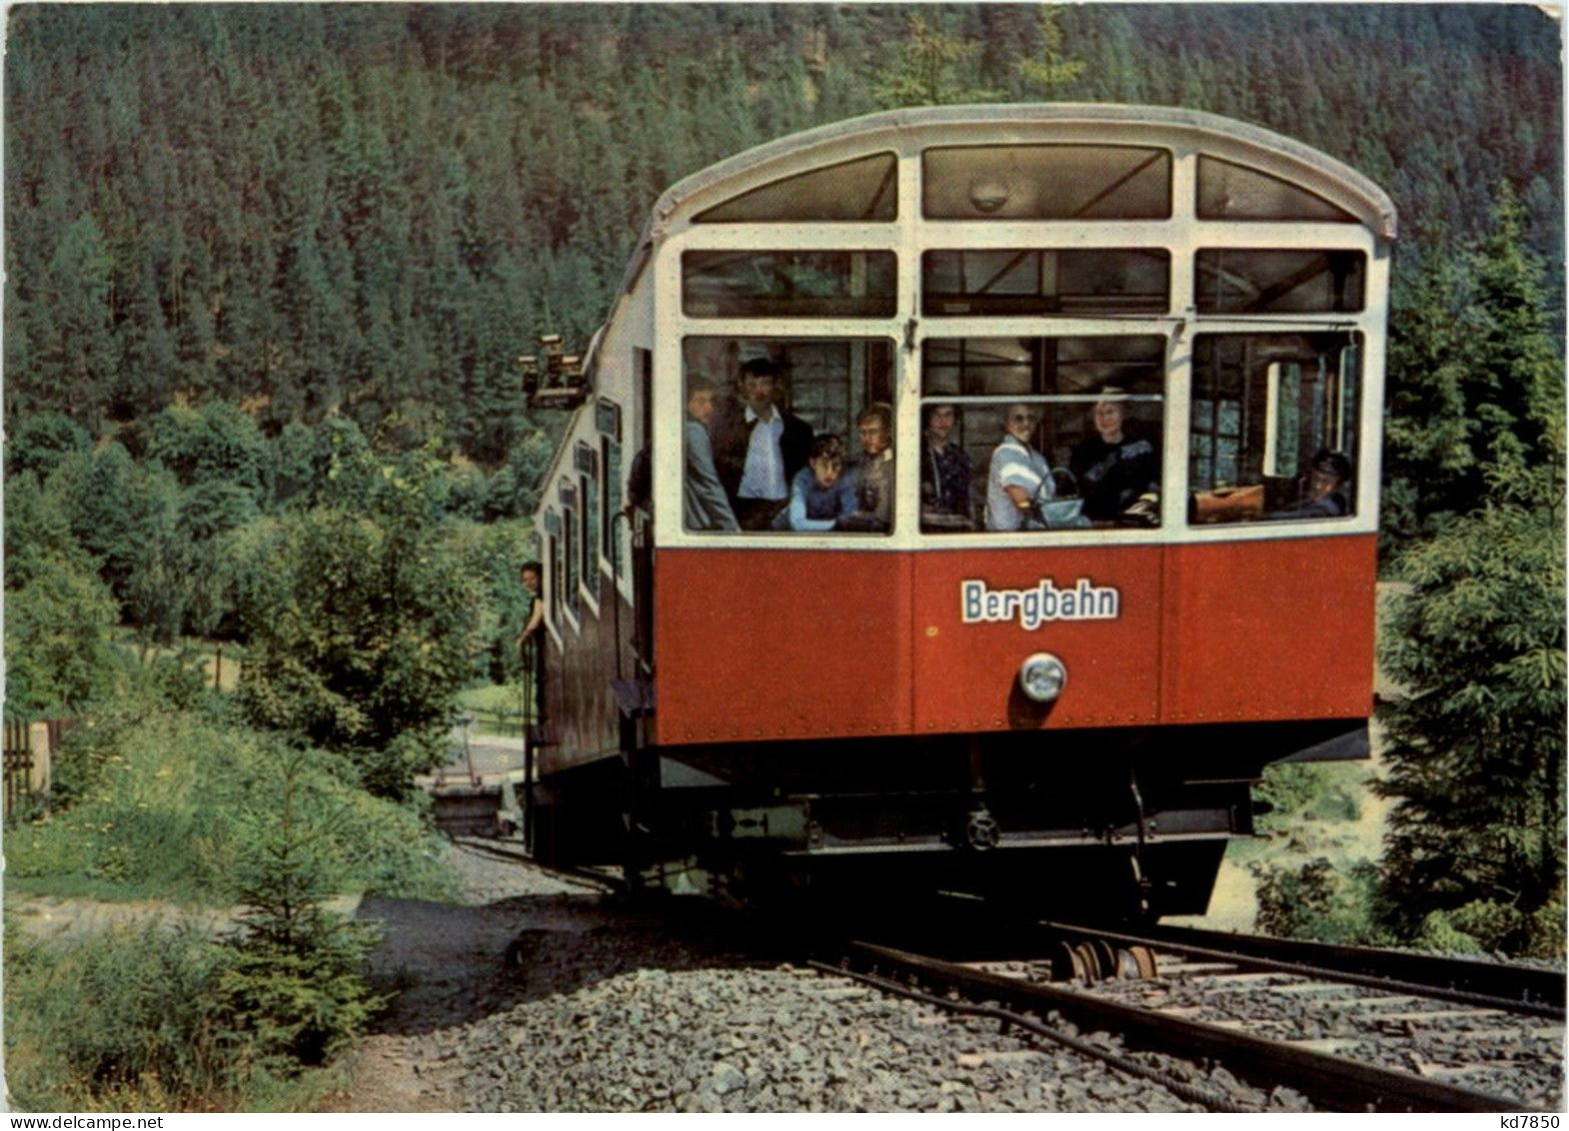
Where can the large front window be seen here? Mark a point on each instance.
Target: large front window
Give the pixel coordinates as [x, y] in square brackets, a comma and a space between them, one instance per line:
[863, 189]
[1045, 281]
[1046, 182]
[1245, 281]
[1273, 433]
[788, 284]
[788, 435]
[1041, 433]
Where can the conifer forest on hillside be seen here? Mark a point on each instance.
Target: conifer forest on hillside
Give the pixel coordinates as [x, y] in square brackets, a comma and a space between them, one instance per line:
[371, 210]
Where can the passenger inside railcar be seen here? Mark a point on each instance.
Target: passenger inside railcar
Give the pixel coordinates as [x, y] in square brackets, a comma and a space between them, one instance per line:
[1019, 479]
[874, 476]
[788, 390]
[1325, 491]
[759, 446]
[946, 469]
[821, 494]
[1116, 469]
[704, 504]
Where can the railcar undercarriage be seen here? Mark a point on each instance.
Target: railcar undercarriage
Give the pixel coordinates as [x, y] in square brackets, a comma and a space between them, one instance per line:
[1123, 824]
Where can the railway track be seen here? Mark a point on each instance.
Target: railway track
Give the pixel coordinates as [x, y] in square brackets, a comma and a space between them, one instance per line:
[1348, 1034]
[1527, 990]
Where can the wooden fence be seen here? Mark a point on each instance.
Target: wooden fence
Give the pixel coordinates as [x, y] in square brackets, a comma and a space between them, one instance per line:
[18, 764]
[29, 754]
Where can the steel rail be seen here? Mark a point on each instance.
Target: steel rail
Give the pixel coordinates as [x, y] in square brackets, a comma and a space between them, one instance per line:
[1331, 1082]
[1179, 1088]
[1492, 979]
[1485, 985]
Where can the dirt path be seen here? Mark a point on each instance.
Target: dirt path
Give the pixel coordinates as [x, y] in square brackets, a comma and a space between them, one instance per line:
[448, 964]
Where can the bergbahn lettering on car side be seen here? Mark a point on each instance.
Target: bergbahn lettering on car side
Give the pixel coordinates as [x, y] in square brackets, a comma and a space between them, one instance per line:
[1034, 607]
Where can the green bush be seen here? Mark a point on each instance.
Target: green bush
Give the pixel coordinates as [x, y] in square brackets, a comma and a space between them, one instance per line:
[144, 1018]
[363, 625]
[57, 641]
[126, 1020]
[1487, 926]
[158, 1019]
[1305, 792]
[1315, 901]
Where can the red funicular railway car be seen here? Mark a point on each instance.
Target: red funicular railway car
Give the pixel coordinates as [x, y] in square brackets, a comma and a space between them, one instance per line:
[1128, 362]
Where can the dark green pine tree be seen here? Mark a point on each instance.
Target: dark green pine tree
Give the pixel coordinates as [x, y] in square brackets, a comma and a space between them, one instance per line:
[1053, 72]
[72, 332]
[1517, 365]
[295, 985]
[1475, 742]
[1471, 359]
[1427, 431]
[148, 364]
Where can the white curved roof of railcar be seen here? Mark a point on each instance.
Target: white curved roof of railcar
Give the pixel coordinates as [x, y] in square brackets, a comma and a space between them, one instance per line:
[1035, 122]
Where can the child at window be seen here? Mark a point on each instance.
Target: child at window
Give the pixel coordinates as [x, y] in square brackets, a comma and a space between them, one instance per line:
[820, 493]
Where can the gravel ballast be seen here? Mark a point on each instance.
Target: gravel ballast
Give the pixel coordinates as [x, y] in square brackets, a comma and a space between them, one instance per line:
[542, 994]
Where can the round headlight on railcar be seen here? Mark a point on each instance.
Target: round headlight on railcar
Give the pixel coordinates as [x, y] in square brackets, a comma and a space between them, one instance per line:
[1042, 677]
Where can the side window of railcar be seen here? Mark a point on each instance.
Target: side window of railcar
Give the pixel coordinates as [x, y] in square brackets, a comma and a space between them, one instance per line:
[788, 435]
[553, 575]
[610, 550]
[1246, 281]
[571, 554]
[586, 461]
[1273, 432]
[607, 423]
[1021, 434]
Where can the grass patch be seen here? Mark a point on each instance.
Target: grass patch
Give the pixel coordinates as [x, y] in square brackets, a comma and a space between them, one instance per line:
[497, 708]
[218, 661]
[492, 698]
[149, 806]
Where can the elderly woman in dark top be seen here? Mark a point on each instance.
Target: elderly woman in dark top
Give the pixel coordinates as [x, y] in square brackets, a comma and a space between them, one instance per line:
[1118, 470]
